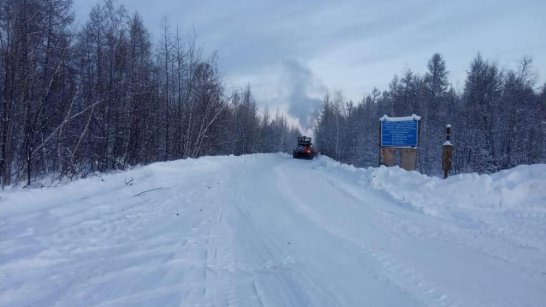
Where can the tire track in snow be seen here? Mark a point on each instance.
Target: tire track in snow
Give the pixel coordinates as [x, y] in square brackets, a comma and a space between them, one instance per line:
[379, 264]
[280, 278]
[271, 271]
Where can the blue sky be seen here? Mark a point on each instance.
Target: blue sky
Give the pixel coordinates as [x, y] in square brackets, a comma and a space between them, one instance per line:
[291, 52]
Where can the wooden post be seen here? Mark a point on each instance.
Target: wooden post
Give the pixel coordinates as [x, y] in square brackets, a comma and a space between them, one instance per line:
[447, 152]
[380, 147]
[408, 159]
[387, 156]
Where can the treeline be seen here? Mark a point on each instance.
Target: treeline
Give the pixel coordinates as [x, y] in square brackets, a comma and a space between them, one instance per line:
[498, 121]
[103, 97]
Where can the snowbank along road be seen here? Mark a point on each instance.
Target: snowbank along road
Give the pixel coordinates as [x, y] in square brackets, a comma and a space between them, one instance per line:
[267, 230]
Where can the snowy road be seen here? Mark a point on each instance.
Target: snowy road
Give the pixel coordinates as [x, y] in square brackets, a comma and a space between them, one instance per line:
[267, 230]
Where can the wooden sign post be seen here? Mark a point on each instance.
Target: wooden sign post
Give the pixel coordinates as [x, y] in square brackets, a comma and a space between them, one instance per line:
[408, 158]
[447, 152]
[399, 134]
[387, 156]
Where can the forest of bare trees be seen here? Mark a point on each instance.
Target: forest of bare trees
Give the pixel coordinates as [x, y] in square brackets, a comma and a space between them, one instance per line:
[499, 119]
[75, 101]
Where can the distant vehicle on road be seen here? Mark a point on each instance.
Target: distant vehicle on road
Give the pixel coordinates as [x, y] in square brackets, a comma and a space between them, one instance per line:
[305, 149]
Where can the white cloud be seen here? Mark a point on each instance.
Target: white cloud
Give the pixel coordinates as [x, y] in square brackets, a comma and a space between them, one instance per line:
[349, 45]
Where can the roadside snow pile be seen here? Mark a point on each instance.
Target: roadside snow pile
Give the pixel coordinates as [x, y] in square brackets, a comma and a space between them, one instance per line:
[520, 186]
[524, 185]
[123, 183]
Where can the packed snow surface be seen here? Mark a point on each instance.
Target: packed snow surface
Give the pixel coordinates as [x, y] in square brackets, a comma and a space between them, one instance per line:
[268, 230]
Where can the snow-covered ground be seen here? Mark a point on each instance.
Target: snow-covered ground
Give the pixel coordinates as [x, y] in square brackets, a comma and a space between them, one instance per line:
[267, 230]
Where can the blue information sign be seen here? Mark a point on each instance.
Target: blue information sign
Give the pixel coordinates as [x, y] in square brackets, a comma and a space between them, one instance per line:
[399, 133]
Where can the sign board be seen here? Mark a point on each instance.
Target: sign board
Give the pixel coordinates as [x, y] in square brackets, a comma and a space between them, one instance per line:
[400, 132]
